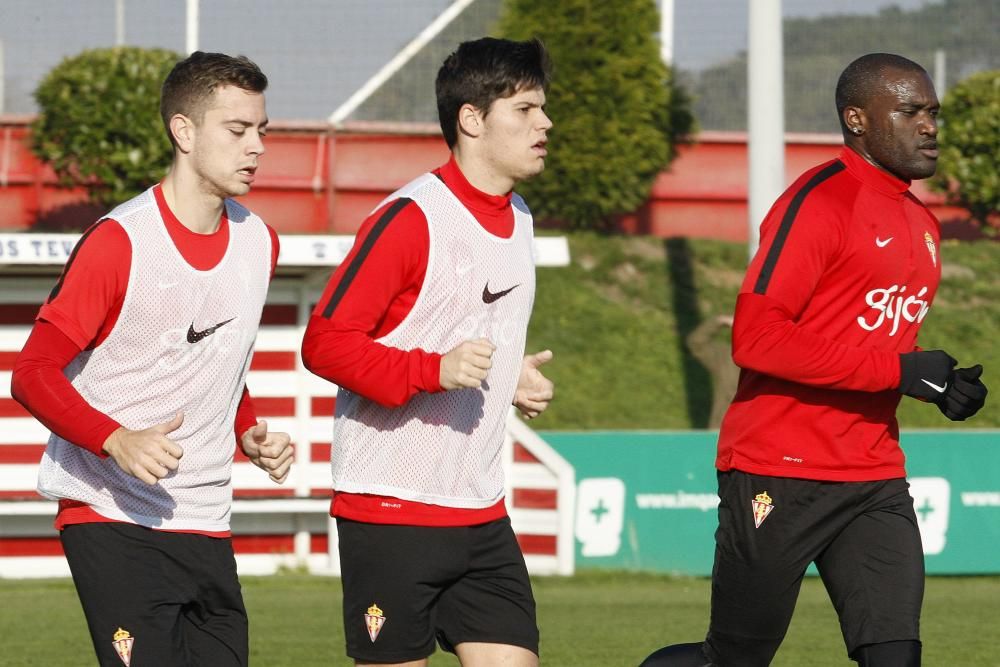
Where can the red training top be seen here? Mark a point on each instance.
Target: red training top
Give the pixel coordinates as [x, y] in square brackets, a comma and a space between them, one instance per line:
[847, 269]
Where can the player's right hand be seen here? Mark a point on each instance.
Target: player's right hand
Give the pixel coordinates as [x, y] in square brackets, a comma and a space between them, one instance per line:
[149, 454]
[966, 395]
[467, 365]
[926, 374]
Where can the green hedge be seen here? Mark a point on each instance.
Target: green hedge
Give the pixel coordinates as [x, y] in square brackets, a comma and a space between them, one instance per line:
[970, 146]
[99, 123]
[615, 109]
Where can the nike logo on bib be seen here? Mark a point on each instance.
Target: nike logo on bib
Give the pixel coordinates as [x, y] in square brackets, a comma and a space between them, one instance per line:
[195, 336]
[490, 297]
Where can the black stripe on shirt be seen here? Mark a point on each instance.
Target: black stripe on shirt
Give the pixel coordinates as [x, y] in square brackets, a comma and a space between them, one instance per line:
[366, 247]
[79, 244]
[786, 224]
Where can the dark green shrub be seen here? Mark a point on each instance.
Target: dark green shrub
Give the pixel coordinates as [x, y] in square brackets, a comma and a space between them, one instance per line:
[615, 109]
[99, 122]
[969, 139]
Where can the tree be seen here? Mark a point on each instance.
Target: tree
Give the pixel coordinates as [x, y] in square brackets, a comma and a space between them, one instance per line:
[99, 123]
[616, 111]
[969, 140]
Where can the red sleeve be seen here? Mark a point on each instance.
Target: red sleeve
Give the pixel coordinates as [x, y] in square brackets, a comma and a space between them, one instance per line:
[368, 296]
[767, 340]
[38, 383]
[275, 248]
[246, 415]
[778, 286]
[85, 302]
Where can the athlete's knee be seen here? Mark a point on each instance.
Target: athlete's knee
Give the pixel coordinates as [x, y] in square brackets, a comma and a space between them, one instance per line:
[678, 655]
[904, 653]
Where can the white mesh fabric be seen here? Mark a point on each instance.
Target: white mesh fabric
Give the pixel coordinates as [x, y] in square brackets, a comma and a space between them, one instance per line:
[147, 370]
[444, 448]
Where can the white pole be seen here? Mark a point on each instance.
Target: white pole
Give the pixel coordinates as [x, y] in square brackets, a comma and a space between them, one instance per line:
[940, 75]
[191, 25]
[766, 112]
[397, 63]
[667, 31]
[119, 22]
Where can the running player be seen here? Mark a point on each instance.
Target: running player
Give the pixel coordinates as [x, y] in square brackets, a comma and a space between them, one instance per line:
[810, 467]
[423, 328]
[137, 363]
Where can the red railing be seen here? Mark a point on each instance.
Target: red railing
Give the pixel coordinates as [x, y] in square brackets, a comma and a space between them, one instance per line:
[314, 180]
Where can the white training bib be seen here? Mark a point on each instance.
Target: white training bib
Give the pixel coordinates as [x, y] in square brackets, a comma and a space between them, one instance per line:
[182, 343]
[444, 448]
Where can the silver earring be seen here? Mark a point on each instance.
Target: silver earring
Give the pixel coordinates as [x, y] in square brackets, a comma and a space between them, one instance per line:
[856, 130]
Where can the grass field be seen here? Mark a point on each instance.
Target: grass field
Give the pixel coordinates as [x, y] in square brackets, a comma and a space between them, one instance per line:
[594, 619]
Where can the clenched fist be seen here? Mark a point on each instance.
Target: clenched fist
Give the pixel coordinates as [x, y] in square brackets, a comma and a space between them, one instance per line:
[467, 365]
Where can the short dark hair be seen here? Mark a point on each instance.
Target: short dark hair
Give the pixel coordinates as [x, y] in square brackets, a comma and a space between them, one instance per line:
[485, 70]
[863, 78]
[192, 82]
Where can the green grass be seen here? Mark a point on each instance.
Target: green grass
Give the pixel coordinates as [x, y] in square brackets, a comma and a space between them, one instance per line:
[616, 319]
[595, 619]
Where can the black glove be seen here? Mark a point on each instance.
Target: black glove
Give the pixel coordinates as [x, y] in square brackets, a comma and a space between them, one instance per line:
[926, 375]
[965, 396]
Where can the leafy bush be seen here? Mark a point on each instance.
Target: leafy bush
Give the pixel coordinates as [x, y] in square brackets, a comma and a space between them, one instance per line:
[615, 109]
[969, 138]
[99, 123]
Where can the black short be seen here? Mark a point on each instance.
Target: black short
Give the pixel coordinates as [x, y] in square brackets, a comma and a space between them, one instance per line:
[863, 537]
[405, 586]
[169, 599]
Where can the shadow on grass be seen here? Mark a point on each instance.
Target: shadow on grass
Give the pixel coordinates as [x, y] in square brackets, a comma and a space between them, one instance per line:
[687, 314]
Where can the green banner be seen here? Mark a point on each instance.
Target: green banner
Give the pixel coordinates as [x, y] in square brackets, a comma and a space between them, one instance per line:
[647, 500]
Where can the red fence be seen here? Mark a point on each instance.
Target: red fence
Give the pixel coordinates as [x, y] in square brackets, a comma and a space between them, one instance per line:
[316, 181]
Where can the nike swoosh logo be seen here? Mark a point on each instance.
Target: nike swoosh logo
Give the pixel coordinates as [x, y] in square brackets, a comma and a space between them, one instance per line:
[195, 336]
[881, 244]
[490, 297]
[933, 386]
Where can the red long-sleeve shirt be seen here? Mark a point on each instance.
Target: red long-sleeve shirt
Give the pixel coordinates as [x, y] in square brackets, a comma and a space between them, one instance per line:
[79, 314]
[847, 269]
[367, 297]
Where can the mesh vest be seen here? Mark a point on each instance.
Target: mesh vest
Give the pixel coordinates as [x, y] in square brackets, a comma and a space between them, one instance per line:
[444, 448]
[182, 342]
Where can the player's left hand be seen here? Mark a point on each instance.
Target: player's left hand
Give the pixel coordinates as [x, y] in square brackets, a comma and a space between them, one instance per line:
[965, 396]
[534, 390]
[270, 451]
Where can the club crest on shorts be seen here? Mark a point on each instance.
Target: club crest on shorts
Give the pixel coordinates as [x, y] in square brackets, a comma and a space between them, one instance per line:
[123, 645]
[374, 620]
[929, 240]
[761, 508]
